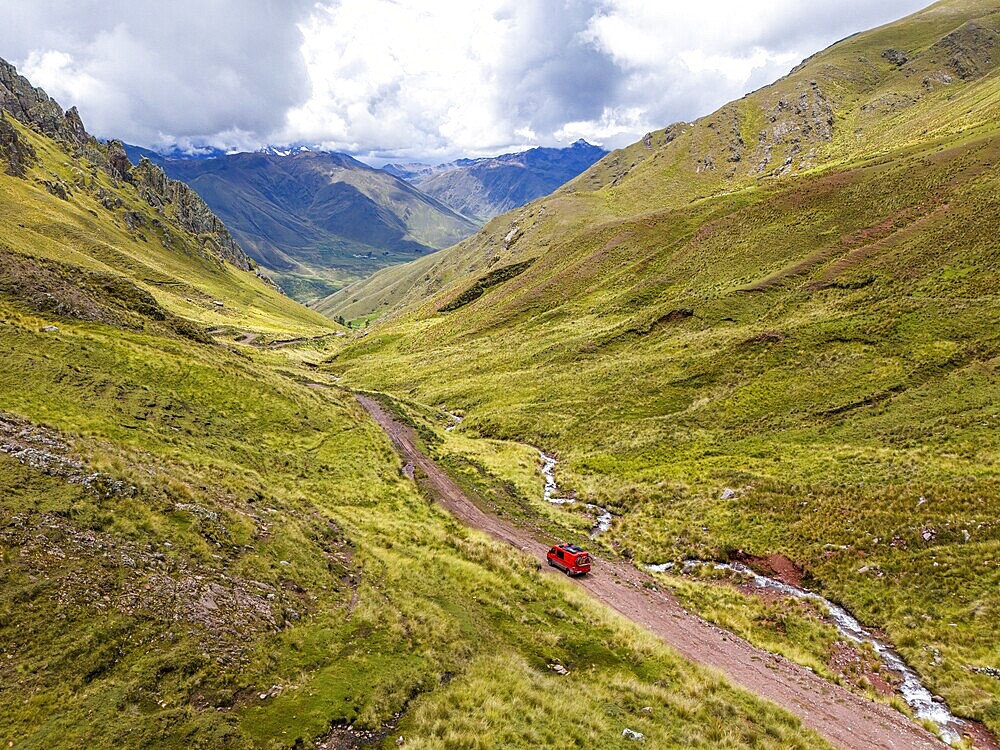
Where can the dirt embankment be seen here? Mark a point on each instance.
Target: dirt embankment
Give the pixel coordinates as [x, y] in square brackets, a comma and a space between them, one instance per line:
[776, 566]
[846, 720]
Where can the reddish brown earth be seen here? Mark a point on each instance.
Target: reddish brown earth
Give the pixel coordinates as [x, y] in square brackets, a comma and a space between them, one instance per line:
[774, 566]
[846, 720]
[852, 665]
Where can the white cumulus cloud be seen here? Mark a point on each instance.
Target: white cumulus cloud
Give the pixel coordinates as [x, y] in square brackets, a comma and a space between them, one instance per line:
[410, 79]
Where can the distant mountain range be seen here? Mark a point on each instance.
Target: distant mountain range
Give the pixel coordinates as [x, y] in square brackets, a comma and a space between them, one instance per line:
[483, 188]
[317, 220]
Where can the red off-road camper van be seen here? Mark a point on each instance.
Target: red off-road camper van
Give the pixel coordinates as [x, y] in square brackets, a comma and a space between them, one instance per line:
[570, 559]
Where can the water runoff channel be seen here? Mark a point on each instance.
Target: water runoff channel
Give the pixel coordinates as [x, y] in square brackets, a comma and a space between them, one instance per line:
[551, 492]
[917, 697]
[551, 495]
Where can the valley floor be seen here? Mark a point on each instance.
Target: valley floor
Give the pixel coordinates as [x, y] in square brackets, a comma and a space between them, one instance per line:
[845, 719]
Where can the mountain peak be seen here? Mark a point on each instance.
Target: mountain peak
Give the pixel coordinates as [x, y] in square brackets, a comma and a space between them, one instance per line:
[33, 107]
[486, 187]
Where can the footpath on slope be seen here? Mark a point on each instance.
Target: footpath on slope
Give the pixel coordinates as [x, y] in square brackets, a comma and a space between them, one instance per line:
[846, 720]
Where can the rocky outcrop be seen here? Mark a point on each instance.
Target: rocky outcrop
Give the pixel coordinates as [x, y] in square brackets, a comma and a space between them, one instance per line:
[189, 210]
[896, 57]
[33, 107]
[795, 124]
[117, 161]
[173, 200]
[16, 154]
[970, 51]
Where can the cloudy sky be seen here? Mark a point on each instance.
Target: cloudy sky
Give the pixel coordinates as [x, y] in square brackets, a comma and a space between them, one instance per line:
[409, 79]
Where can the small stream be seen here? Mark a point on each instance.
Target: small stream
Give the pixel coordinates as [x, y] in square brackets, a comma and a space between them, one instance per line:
[551, 495]
[456, 421]
[913, 692]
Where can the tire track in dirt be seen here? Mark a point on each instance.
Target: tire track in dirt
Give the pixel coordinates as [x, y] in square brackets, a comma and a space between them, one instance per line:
[846, 720]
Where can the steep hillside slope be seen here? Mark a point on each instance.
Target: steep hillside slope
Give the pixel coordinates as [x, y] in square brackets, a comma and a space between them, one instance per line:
[318, 220]
[205, 544]
[774, 331]
[76, 212]
[484, 188]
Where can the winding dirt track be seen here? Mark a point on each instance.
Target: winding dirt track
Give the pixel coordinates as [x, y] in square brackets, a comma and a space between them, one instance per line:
[846, 720]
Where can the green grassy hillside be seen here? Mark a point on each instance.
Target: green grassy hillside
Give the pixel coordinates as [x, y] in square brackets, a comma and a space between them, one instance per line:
[793, 298]
[208, 545]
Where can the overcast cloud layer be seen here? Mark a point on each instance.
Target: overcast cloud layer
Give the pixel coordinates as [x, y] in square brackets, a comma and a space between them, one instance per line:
[411, 80]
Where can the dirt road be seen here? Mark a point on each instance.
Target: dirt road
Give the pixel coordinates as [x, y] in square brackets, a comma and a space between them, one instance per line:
[846, 720]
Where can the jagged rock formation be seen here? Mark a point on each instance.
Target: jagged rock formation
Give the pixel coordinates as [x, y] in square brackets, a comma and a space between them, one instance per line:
[18, 154]
[34, 108]
[173, 200]
[190, 211]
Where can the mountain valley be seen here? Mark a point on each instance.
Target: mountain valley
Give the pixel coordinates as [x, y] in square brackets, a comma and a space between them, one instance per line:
[749, 363]
[317, 220]
[484, 188]
[204, 541]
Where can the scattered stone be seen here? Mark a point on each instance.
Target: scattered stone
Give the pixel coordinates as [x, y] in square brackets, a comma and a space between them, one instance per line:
[928, 534]
[896, 57]
[988, 671]
[45, 450]
[50, 329]
[921, 501]
[218, 303]
[631, 734]
[647, 709]
[559, 669]
[728, 494]
[197, 510]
